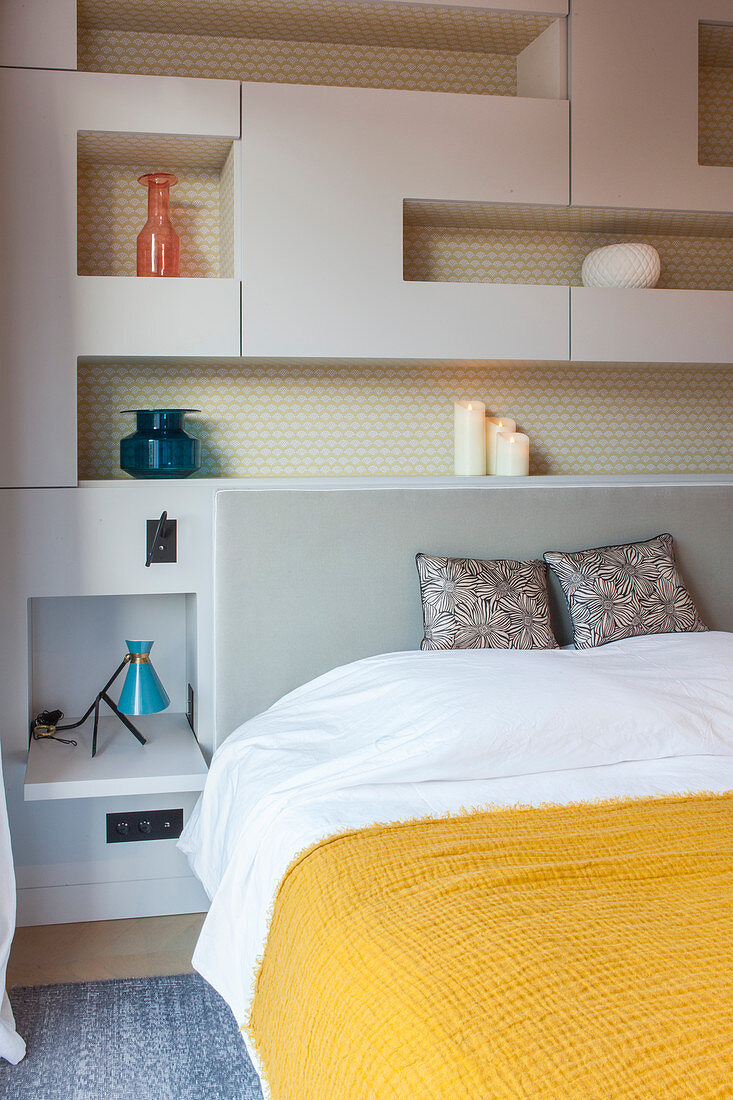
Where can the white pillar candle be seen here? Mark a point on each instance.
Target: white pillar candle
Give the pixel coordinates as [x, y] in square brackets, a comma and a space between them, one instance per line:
[469, 438]
[512, 454]
[494, 425]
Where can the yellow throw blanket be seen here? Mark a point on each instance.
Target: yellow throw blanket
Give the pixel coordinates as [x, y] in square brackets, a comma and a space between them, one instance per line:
[562, 952]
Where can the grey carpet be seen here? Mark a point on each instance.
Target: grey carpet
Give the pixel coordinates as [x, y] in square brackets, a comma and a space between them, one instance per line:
[168, 1038]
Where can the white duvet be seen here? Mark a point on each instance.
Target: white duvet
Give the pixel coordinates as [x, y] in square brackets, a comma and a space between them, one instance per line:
[12, 1047]
[412, 734]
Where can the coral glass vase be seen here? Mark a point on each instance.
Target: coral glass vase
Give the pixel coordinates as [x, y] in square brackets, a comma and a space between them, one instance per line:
[158, 245]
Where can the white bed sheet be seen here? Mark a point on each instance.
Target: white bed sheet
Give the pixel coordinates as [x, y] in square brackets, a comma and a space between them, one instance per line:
[12, 1047]
[411, 734]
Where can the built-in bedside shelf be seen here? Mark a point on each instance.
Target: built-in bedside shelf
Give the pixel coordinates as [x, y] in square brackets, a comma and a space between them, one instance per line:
[171, 761]
[112, 205]
[344, 42]
[76, 643]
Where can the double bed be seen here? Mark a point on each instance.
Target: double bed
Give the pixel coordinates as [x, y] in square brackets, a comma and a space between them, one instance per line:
[468, 872]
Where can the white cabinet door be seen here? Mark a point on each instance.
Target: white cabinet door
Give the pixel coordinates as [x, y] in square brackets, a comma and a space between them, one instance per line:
[45, 318]
[38, 34]
[634, 90]
[326, 171]
[610, 325]
[157, 317]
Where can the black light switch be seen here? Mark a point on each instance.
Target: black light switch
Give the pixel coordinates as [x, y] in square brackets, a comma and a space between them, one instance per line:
[165, 547]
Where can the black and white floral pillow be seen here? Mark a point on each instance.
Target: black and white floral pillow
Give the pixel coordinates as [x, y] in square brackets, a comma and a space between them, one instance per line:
[616, 592]
[470, 604]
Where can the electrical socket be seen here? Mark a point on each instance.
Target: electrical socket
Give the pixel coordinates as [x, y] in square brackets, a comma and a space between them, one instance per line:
[190, 711]
[144, 825]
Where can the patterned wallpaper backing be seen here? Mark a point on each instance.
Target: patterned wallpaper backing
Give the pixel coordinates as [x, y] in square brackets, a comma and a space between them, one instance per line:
[358, 418]
[437, 254]
[715, 117]
[715, 94]
[387, 24]
[715, 45]
[342, 65]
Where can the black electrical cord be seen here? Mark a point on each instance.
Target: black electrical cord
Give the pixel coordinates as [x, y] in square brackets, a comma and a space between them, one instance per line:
[46, 724]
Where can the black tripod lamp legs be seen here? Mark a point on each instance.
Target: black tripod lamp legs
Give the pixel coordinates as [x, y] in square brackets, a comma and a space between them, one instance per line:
[122, 717]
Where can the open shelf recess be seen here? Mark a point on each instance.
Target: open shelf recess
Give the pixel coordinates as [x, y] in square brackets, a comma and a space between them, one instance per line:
[539, 244]
[112, 205]
[337, 42]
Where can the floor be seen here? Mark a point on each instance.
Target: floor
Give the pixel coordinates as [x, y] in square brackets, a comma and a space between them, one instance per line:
[133, 948]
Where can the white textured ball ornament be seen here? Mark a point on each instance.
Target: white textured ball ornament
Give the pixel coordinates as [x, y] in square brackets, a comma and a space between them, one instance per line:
[625, 265]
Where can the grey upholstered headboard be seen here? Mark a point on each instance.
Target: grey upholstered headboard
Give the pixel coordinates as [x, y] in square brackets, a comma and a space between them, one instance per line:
[310, 579]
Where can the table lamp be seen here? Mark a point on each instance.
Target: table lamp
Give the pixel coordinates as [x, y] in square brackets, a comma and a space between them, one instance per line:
[142, 693]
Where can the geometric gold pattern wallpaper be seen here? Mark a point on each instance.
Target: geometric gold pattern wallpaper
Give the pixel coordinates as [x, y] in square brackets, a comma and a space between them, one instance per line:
[335, 21]
[442, 254]
[715, 117]
[715, 94]
[359, 418]
[360, 66]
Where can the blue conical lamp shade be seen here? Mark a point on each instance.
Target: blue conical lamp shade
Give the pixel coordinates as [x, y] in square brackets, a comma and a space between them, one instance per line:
[142, 691]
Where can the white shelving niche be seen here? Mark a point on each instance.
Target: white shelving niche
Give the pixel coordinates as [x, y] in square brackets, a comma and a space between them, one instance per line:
[42, 114]
[687, 319]
[76, 644]
[205, 206]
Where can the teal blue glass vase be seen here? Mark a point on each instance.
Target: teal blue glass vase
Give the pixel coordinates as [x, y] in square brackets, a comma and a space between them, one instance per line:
[160, 446]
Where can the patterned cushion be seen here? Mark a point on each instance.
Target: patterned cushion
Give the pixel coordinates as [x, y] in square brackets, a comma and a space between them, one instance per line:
[616, 592]
[469, 604]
